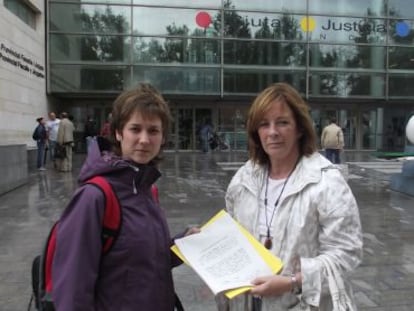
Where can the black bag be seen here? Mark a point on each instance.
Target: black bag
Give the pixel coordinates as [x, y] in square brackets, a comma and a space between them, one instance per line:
[35, 280]
[60, 151]
[36, 133]
[213, 141]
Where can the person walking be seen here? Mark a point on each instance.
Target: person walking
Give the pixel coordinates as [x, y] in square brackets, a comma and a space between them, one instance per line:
[106, 127]
[136, 273]
[295, 202]
[332, 141]
[206, 133]
[65, 139]
[52, 126]
[40, 136]
[91, 131]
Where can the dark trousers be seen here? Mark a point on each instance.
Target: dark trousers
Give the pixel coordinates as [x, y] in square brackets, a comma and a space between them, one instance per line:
[256, 304]
[40, 153]
[333, 155]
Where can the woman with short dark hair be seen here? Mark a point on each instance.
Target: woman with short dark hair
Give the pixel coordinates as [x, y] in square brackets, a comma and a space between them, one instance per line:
[136, 273]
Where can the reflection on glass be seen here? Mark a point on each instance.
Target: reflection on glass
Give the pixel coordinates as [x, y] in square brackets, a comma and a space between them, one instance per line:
[262, 25]
[178, 22]
[401, 85]
[289, 6]
[252, 82]
[176, 50]
[22, 10]
[346, 84]
[243, 37]
[348, 7]
[74, 78]
[347, 56]
[172, 136]
[264, 53]
[127, 2]
[401, 32]
[181, 80]
[89, 48]
[349, 30]
[401, 57]
[103, 19]
[185, 129]
[401, 8]
[369, 129]
[202, 116]
[184, 3]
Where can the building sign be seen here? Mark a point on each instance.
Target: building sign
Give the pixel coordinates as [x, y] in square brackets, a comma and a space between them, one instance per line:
[321, 27]
[324, 26]
[21, 61]
[353, 27]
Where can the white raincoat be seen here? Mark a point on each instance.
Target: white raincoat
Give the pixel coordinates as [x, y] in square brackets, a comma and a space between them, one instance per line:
[316, 225]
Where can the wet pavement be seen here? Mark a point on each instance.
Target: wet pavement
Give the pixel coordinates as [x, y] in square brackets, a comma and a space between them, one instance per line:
[191, 191]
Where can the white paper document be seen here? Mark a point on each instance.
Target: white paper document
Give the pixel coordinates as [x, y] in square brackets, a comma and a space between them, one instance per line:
[222, 255]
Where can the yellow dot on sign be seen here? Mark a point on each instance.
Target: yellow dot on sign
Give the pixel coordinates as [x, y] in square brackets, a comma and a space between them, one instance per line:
[307, 24]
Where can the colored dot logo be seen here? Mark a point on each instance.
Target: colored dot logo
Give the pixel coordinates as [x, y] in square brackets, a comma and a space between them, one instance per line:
[307, 23]
[203, 19]
[402, 29]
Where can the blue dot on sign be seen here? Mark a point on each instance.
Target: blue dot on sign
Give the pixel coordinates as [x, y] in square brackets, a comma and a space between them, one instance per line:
[402, 29]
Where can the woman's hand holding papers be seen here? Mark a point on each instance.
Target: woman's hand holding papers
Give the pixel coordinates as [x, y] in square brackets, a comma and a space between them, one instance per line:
[274, 285]
[192, 230]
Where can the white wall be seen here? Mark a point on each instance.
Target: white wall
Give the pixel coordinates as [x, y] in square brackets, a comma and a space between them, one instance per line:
[22, 93]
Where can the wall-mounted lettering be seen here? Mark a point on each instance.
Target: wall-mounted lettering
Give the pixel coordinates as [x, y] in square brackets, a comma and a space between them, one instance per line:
[21, 61]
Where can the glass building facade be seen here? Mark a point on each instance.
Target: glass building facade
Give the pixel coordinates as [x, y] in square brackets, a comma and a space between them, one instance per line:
[349, 58]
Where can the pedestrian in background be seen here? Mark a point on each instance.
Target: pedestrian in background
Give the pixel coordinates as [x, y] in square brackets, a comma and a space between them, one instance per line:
[106, 127]
[65, 139]
[52, 126]
[40, 136]
[332, 141]
[136, 273]
[90, 132]
[299, 206]
[206, 132]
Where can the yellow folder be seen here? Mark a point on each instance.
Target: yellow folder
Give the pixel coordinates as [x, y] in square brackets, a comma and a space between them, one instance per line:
[274, 263]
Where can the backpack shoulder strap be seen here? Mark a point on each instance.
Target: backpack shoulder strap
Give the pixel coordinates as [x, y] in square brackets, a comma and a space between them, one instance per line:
[110, 229]
[154, 192]
[47, 259]
[112, 214]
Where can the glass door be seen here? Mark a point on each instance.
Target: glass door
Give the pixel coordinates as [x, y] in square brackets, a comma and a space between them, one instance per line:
[185, 129]
[346, 119]
[369, 129]
[203, 116]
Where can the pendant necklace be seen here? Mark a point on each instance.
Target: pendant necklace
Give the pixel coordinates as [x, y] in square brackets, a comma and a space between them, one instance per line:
[268, 241]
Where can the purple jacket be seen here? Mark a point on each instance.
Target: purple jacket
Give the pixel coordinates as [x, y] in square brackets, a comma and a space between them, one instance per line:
[136, 273]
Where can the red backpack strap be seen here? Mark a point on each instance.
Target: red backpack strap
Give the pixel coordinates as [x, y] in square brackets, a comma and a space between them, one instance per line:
[110, 229]
[49, 253]
[154, 192]
[112, 215]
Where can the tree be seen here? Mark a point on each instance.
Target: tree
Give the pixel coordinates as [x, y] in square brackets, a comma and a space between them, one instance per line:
[373, 56]
[102, 48]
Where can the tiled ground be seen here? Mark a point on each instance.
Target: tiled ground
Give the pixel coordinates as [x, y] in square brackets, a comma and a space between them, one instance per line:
[192, 190]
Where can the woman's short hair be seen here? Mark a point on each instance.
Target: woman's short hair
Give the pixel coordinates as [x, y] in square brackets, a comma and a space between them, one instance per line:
[300, 110]
[145, 99]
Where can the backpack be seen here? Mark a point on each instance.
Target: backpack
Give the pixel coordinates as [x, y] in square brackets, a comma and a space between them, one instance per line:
[36, 133]
[42, 264]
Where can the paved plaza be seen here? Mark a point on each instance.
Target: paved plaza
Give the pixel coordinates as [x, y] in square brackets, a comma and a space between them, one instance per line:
[192, 189]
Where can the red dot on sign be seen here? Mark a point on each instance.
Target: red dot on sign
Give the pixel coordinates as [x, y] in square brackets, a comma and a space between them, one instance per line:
[203, 19]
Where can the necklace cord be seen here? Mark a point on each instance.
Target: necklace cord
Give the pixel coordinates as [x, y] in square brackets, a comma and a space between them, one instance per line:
[268, 224]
